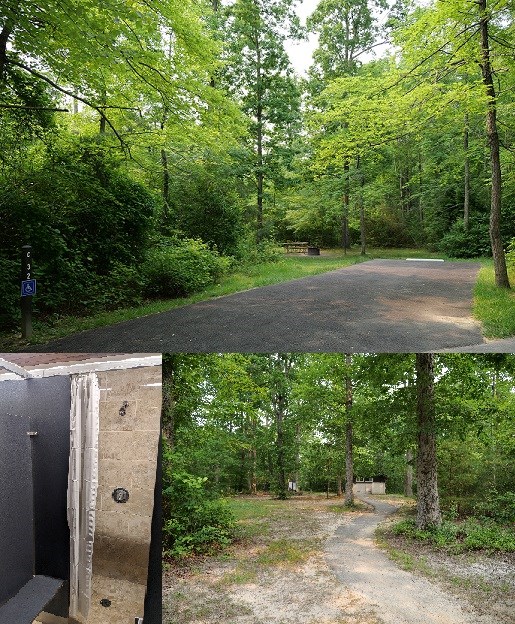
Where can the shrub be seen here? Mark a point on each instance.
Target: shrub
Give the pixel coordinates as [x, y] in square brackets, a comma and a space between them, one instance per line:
[205, 204]
[471, 243]
[181, 267]
[195, 523]
[265, 251]
[472, 534]
[499, 507]
[510, 254]
[9, 292]
[87, 221]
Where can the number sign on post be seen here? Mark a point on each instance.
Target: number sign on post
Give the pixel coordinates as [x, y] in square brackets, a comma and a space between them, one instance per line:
[28, 288]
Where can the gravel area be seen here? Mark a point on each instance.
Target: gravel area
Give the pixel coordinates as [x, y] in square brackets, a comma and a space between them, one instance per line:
[342, 577]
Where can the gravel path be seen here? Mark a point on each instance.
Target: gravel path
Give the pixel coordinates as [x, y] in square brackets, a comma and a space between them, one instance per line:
[345, 578]
[399, 597]
[375, 306]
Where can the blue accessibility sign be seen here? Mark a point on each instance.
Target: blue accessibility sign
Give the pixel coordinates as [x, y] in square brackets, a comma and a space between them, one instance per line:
[28, 287]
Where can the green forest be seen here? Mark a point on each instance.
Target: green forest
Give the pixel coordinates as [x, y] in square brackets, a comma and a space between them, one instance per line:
[149, 148]
[436, 428]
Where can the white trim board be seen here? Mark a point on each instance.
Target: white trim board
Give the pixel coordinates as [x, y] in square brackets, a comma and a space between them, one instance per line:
[53, 369]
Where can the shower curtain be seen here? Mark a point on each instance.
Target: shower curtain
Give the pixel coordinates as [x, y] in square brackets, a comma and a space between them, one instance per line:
[82, 488]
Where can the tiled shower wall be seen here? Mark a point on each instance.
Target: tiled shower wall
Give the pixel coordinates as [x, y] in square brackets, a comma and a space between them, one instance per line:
[130, 408]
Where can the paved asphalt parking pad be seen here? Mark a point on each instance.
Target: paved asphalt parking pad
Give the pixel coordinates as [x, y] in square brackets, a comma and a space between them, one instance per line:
[375, 306]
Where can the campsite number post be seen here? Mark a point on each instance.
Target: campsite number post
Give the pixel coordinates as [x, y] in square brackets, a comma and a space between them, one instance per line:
[28, 288]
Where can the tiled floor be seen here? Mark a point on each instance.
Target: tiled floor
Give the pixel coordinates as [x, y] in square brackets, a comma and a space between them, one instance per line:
[127, 601]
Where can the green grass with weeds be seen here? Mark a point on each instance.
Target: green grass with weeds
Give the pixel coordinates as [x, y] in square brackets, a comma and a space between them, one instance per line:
[288, 267]
[403, 559]
[457, 537]
[494, 307]
[240, 576]
[183, 607]
[252, 508]
[252, 516]
[286, 552]
[355, 506]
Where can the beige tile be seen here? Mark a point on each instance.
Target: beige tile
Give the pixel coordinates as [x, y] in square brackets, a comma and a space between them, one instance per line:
[148, 415]
[141, 502]
[124, 383]
[128, 445]
[139, 528]
[102, 384]
[121, 558]
[151, 396]
[127, 601]
[116, 445]
[145, 445]
[112, 524]
[114, 473]
[115, 416]
[143, 474]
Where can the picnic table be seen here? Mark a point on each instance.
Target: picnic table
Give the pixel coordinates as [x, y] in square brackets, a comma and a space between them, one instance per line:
[296, 247]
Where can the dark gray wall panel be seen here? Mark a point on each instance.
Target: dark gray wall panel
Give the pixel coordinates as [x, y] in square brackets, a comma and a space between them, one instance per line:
[50, 417]
[16, 512]
[45, 403]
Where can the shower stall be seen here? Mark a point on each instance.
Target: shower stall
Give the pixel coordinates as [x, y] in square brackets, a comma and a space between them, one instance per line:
[80, 491]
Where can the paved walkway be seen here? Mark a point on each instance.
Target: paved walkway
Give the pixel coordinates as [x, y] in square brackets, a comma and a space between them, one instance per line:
[375, 306]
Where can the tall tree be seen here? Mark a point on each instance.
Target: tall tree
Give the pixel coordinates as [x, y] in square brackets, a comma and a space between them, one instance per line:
[349, 464]
[346, 30]
[501, 272]
[428, 504]
[258, 73]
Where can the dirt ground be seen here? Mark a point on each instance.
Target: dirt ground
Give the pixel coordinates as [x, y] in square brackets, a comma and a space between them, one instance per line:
[284, 572]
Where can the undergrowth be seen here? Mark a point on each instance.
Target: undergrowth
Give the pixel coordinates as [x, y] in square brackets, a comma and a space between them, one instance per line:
[470, 534]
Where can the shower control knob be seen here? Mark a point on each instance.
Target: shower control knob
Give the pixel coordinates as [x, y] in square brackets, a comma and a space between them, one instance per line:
[120, 495]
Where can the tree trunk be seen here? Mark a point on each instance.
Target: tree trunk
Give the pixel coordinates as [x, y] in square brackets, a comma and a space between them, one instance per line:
[282, 486]
[349, 468]
[362, 229]
[253, 484]
[259, 137]
[408, 478]
[501, 272]
[466, 176]
[345, 214]
[339, 488]
[75, 103]
[4, 39]
[420, 205]
[103, 102]
[215, 4]
[428, 505]
[166, 185]
[242, 475]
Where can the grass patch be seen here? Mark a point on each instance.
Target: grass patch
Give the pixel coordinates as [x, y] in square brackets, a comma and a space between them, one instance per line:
[403, 559]
[355, 506]
[493, 306]
[288, 267]
[251, 509]
[240, 576]
[286, 552]
[252, 516]
[190, 607]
